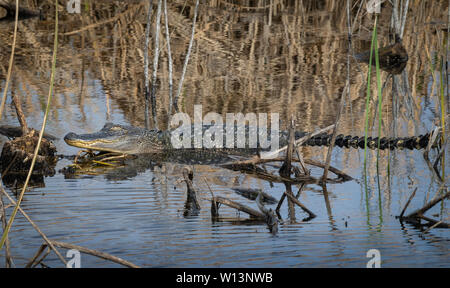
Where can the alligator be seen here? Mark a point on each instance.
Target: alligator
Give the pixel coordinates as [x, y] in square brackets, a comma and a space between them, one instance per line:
[135, 140]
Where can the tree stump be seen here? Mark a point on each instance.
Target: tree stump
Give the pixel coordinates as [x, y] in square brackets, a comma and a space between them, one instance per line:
[17, 155]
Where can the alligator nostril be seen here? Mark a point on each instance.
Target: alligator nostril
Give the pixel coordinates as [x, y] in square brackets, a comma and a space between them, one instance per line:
[70, 136]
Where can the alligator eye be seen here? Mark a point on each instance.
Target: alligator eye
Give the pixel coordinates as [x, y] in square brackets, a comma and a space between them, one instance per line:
[116, 128]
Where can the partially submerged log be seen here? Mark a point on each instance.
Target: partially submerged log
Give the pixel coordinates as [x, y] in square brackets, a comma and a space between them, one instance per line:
[296, 201]
[270, 217]
[251, 167]
[252, 194]
[233, 204]
[17, 155]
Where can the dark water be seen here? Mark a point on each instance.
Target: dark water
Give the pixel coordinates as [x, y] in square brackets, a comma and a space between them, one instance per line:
[290, 59]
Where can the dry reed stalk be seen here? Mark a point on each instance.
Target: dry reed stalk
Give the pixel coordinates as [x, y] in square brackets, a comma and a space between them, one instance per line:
[155, 63]
[407, 203]
[146, 79]
[38, 253]
[186, 61]
[285, 170]
[96, 253]
[19, 112]
[8, 259]
[36, 151]
[333, 137]
[11, 61]
[405, 12]
[169, 55]
[113, 19]
[297, 143]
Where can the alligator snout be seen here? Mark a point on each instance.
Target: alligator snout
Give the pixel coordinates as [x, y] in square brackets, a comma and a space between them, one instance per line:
[70, 136]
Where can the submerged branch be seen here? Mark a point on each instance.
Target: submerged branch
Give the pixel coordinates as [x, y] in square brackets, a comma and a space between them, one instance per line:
[96, 253]
[252, 212]
[428, 206]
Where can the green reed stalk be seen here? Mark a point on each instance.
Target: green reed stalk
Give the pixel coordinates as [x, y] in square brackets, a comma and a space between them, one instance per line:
[443, 113]
[380, 100]
[366, 124]
[36, 150]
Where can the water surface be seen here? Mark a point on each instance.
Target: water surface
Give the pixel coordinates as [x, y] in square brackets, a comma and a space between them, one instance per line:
[286, 58]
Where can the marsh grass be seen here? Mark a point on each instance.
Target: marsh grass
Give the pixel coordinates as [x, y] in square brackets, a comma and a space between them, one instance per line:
[36, 151]
[380, 101]
[442, 102]
[373, 50]
[367, 109]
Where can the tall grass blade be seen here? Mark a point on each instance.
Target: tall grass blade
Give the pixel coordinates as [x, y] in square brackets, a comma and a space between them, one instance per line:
[44, 123]
[366, 124]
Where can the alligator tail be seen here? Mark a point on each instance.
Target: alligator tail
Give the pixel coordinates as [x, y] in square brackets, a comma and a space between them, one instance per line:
[413, 142]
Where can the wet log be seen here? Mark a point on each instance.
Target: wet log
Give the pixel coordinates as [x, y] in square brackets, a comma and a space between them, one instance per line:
[434, 223]
[286, 168]
[428, 206]
[271, 218]
[252, 212]
[252, 194]
[295, 200]
[250, 166]
[407, 203]
[191, 207]
[17, 155]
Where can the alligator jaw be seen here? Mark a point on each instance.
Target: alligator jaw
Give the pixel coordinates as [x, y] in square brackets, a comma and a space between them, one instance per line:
[75, 140]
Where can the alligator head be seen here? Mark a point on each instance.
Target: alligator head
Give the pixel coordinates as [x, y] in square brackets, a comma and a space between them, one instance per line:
[119, 139]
